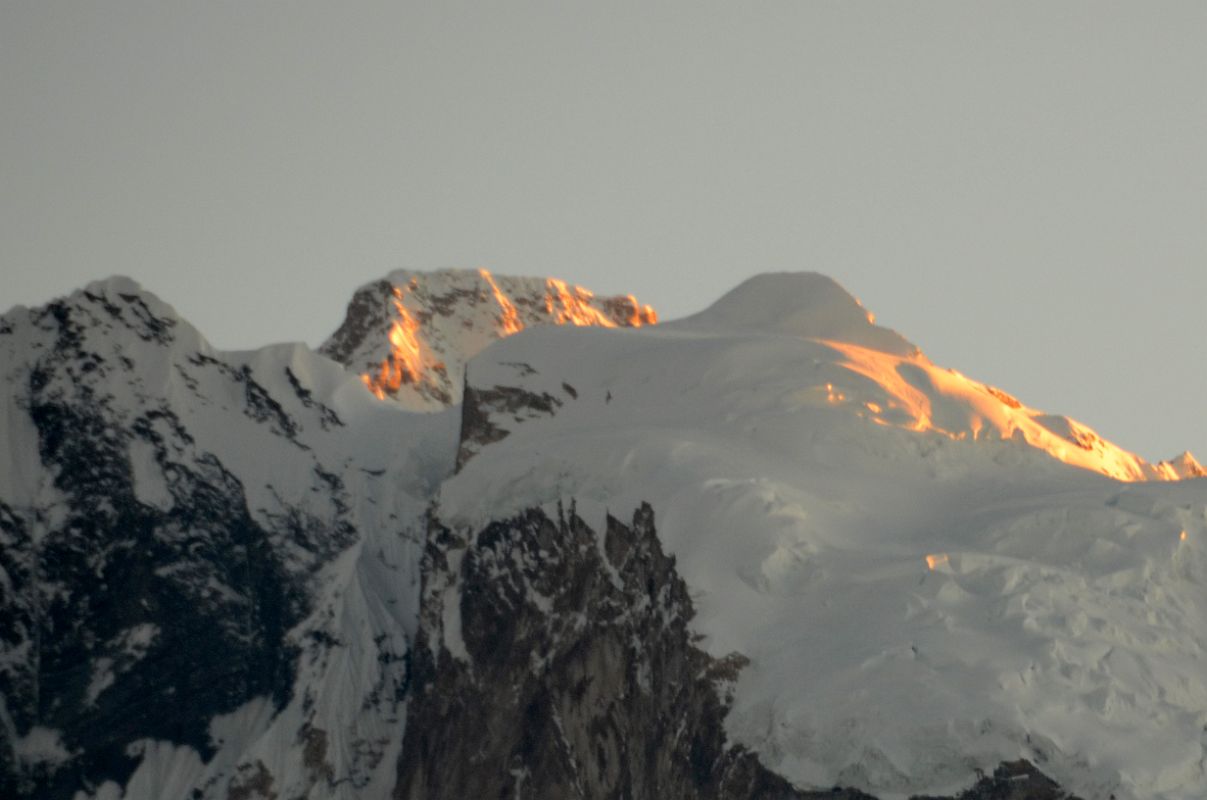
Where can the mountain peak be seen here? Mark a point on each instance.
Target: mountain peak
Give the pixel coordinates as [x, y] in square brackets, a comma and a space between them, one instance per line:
[410, 334]
[114, 284]
[1182, 466]
[126, 289]
[803, 304]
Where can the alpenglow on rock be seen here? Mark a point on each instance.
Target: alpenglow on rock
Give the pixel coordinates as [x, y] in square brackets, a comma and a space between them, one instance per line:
[410, 335]
[502, 537]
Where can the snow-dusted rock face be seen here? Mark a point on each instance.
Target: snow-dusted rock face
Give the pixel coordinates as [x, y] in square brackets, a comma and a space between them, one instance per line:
[556, 661]
[207, 559]
[553, 662]
[410, 334]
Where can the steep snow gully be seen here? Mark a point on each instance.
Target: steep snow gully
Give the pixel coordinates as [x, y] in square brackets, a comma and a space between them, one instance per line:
[500, 537]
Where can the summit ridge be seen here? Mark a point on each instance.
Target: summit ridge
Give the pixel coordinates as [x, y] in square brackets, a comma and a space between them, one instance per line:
[410, 334]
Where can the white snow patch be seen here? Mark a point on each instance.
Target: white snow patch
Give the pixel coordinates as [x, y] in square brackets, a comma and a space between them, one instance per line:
[102, 678]
[166, 770]
[137, 639]
[41, 746]
[150, 485]
[451, 611]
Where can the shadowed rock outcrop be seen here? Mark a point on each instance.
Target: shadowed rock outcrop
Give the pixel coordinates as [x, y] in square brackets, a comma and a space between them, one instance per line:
[553, 662]
[556, 663]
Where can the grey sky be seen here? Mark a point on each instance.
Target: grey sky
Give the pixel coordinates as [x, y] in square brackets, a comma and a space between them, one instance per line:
[1019, 188]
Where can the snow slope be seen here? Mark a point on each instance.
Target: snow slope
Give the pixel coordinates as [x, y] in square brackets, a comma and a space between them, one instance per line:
[927, 575]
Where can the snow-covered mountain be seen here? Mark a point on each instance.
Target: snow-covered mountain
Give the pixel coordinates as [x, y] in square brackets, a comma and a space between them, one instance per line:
[208, 557]
[500, 537]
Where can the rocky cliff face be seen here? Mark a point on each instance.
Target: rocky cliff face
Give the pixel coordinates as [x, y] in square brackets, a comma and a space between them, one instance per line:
[554, 661]
[126, 604]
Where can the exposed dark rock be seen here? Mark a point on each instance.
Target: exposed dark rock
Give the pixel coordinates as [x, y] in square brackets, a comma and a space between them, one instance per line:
[566, 670]
[478, 429]
[327, 417]
[368, 316]
[19, 616]
[252, 783]
[555, 663]
[141, 610]
[137, 621]
[1013, 780]
[448, 303]
[314, 754]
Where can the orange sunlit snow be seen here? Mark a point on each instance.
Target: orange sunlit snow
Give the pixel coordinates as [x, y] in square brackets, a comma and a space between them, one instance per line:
[571, 306]
[936, 560]
[910, 392]
[642, 315]
[404, 364]
[411, 360]
[509, 318]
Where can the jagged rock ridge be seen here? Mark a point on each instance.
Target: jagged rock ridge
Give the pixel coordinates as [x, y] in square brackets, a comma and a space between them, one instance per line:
[410, 335]
[605, 697]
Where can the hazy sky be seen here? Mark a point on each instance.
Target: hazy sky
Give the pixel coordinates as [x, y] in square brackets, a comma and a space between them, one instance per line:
[1019, 188]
